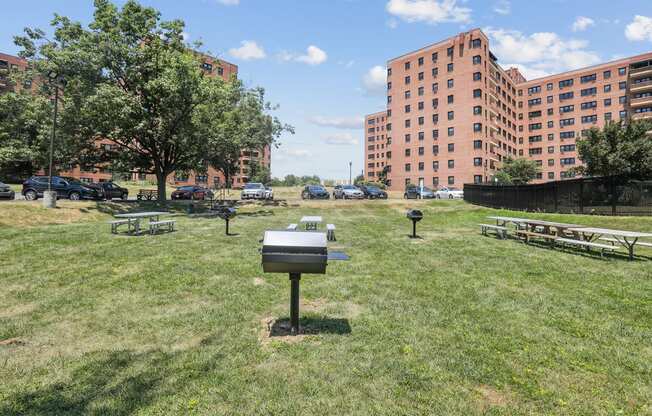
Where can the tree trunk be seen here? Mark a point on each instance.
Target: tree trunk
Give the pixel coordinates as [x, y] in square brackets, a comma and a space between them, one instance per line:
[161, 178]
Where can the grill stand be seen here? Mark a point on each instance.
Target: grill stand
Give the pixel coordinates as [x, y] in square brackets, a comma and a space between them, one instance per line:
[294, 303]
[414, 228]
[227, 226]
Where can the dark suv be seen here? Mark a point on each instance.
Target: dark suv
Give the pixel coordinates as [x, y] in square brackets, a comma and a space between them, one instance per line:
[69, 188]
[372, 192]
[315, 192]
[112, 190]
[412, 192]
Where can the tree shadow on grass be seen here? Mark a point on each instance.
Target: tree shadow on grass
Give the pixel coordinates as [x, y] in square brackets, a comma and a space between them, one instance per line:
[311, 326]
[259, 213]
[115, 383]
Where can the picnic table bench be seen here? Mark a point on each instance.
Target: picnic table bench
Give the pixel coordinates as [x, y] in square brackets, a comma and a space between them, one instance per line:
[133, 220]
[154, 226]
[501, 231]
[147, 194]
[586, 244]
[330, 232]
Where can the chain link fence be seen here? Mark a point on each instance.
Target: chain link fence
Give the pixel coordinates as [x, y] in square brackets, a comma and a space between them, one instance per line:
[600, 196]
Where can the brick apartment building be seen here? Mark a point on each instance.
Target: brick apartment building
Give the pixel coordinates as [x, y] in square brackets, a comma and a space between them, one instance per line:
[453, 114]
[213, 178]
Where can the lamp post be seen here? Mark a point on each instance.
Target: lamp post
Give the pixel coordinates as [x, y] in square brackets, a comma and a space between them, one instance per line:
[50, 197]
[350, 167]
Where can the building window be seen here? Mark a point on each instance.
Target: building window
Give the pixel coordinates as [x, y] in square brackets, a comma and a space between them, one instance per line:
[477, 76]
[420, 105]
[435, 72]
[407, 80]
[407, 138]
[420, 76]
[566, 96]
[451, 147]
[407, 108]
[421, 166]
[534, 90]
[435, 166]
[590, 119]
[408, 95]
[435, 150]
[477, 144]
[551, 175]
[622, 71]
[421, 136]
[434, 56]
[477, 161]
[477, 127]
[449, 51]
[451, 180]
[420, 61]
[588, 78]
[477, 110]
[567, 122]
[622, 85]
[407, 65]
[607, 102]
[549, 86]
[435, 134]
[451, 164]
[477, 60]
[606, 74]
[566, 83]
[435, 118]
[451, 131]
[451, 115]
[450, 67]
[435, 181]
[407, 123]
[450, 99]
[477, 93]
[588, 91]
[567, 161]
[607, 88]
[450, 83]
[476, 43]
[408, 167]
[421, 121]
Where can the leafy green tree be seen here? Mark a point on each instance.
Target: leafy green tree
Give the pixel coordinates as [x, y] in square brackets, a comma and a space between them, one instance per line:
[617, 149]
[259, 173]
[517, 171]
[132, 79]
[359, 180]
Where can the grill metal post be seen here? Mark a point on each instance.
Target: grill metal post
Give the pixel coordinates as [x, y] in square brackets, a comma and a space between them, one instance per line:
[414, 228]
[227, 226]
[294, 303]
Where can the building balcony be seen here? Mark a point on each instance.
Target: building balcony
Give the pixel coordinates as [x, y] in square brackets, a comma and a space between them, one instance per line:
[640, 72]
[640, 102]
[641, 86]
[642, 116]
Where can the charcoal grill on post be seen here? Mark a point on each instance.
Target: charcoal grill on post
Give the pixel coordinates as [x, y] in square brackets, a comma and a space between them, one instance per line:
[294, 252]
[226, 213]
[415, 215]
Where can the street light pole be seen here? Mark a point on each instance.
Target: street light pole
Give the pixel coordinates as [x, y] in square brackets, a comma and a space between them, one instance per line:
[350, 166]
[50, 196]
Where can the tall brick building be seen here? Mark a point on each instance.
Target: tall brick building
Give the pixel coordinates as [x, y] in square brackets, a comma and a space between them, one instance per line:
[213, 178]
[453, 114]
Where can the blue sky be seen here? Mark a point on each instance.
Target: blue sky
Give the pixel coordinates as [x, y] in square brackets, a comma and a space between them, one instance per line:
[322, 61]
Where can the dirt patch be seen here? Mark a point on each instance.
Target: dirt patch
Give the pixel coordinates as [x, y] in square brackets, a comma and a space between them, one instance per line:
[259, 281]
[17, 310]
[490, 397]
[12, 341]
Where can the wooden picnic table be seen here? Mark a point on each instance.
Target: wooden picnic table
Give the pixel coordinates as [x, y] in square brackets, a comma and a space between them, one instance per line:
[311, 222]
[627, 239]
[135, 217]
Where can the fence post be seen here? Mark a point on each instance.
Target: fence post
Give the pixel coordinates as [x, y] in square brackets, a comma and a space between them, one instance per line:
[581, 196]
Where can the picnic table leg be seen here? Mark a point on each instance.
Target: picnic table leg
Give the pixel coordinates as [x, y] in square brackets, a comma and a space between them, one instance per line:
[630, 247]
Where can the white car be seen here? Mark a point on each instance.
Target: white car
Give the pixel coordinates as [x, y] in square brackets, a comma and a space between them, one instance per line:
[347, 192]
[269, 193]
[253, 190]
[449, 193]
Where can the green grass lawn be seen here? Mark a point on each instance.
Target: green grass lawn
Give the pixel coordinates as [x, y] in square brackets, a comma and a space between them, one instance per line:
[452, 323]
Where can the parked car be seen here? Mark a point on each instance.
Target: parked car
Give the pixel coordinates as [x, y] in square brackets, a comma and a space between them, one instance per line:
[112, 190]
[253, 190]
[269, 193]
[412, 192]
[192, 192]
[426, 193]
[65, 187]
[6, 192]
[347, 192]
[373, 192]
[315, 192]
[449, 193]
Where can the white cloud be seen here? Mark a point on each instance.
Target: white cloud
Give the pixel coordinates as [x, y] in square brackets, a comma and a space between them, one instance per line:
[248, 50]
[392, 23]
[429, 11]
[503, 7]
[375, 81]
[346, 139]
[338, 122]
[541, 53]
[640, 29]
[313, 56]
[229, 2]
[582, 23]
